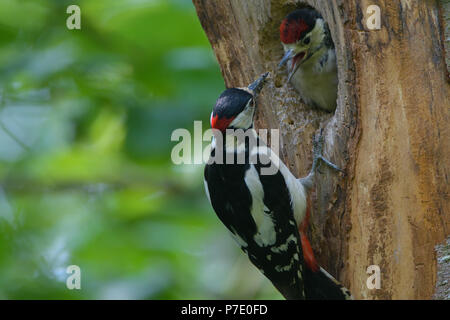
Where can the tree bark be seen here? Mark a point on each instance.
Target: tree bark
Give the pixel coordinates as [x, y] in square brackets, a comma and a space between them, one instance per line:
[390, 132]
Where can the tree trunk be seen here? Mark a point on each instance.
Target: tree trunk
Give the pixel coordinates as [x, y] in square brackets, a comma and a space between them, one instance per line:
[390, 132]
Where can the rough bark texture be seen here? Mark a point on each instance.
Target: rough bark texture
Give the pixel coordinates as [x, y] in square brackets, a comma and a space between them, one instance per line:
[390, 132]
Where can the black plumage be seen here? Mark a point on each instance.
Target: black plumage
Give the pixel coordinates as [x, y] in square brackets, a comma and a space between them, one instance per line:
[232, 202]
[231, 102]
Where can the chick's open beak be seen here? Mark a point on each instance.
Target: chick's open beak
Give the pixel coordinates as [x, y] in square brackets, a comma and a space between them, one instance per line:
[298, 59]
[287, 56]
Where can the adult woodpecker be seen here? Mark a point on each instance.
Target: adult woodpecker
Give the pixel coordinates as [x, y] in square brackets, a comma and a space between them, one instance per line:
[310, 57]
[264, 212]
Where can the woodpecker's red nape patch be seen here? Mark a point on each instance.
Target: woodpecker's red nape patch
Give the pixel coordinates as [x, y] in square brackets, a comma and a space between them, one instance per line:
[291, 30]
[222, 123]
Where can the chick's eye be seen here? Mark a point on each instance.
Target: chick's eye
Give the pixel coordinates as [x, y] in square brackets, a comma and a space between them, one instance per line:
[307, 40]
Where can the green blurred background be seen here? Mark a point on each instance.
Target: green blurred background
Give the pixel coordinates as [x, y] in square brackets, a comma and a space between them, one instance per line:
[86, 178]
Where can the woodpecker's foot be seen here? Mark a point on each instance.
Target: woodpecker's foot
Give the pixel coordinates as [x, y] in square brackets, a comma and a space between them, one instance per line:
[308, 181]
[317, 154]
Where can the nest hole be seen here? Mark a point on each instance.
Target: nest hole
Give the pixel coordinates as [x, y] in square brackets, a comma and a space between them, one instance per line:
[272, 52]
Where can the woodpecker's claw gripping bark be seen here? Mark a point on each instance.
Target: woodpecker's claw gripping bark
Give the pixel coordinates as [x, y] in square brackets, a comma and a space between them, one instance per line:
[308, 181]
[318, 153]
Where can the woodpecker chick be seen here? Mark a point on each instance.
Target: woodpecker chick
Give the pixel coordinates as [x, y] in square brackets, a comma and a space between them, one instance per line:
[310, 58]
[264, 212]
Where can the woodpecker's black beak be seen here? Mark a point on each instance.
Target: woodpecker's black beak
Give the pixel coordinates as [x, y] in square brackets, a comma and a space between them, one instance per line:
[257, 86]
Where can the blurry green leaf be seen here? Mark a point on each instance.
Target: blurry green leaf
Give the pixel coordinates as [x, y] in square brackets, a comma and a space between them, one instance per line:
[86, 178]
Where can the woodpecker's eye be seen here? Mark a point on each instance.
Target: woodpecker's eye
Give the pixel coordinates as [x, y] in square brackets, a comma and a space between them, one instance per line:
[307, 40]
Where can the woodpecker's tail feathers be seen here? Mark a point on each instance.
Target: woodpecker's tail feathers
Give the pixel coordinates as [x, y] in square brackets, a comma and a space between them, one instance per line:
[323, 286]
[318, 284]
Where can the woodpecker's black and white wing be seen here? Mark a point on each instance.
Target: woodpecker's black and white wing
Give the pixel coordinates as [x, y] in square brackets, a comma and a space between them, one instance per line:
[259, 210]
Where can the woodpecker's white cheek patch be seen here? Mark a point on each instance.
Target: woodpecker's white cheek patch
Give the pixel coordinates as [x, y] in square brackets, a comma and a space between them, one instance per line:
[245, 119]
[266, 234]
